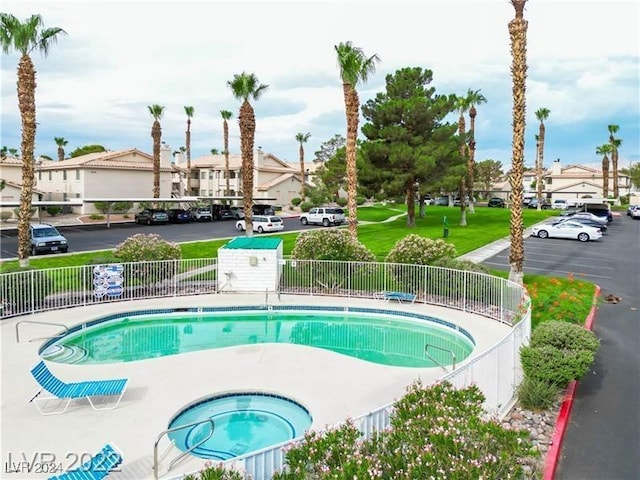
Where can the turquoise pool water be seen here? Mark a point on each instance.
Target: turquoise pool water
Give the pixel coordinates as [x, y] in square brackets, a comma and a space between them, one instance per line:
[381, 336]
[244, 422]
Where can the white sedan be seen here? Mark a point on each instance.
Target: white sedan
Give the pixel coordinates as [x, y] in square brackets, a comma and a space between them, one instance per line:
[567, 229]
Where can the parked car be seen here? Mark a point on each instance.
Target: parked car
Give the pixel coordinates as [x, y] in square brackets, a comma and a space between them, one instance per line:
[46, 238]
[496, 202]
[533, 203]
[237, 212]
[635, 213]
[630, 209]
[221, 212]
[202, 214]
[567, 229]
[323, 216]
[179, 215]
[560, 204]
[260, 209]
[151, 216]
[592, 216]
[263, 223]
[586, 221]
[442, 201]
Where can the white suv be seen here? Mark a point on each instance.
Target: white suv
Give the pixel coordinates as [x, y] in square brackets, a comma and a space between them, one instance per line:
[323, 216]
[263, 223]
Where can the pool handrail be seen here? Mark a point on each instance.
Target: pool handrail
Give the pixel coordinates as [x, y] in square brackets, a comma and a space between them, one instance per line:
[453, 355]
[61, 334]
[156, 460]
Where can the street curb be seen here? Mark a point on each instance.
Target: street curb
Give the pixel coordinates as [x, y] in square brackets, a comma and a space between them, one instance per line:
[562, 422]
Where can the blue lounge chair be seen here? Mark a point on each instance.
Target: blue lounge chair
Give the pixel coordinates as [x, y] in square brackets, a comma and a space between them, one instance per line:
[97, 468]
[70, 391]
[398, 296]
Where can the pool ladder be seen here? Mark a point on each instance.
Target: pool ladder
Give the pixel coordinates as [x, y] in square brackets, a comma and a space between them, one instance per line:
[158, 458]
[453, 355]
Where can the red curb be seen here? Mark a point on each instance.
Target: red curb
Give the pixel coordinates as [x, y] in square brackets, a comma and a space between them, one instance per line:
[562, 422]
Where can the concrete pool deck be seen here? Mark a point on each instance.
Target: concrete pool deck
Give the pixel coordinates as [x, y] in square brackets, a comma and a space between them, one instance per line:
[332, 387]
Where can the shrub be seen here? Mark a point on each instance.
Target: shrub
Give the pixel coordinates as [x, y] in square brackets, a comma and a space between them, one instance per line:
[341, 201]
[360, 200]
[436, 432]
[565, 336]
[334, 244]
[53, 210]
[466, 265]
[215, 472]
[4, 216]
[306, 206]
[122, 206]
[536, 394]
[417, 250]
[141, 247]
[96, 216]
[296, 201]
[553, 365]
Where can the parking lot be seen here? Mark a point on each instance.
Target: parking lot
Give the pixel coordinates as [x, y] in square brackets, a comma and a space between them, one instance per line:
[595, 261]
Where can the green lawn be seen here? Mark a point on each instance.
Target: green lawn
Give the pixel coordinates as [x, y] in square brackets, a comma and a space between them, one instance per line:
[484, 226]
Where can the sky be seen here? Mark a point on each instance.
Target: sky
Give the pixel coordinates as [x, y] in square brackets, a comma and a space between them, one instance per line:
[118, 58]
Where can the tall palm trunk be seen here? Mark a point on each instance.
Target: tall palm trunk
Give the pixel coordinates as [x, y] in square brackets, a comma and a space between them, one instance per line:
[27, 106]
[539, 166]
[461, 186]
[188, 144]
[471, 165]
[247, 124]
[518, 35]
[225, 132]
[60, 154]
[614, 165]
[156, 134]
[605, 176]
[352, 108]
[301, 152]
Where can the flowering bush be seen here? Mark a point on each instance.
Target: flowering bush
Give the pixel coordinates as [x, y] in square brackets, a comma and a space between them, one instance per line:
[141, 248]
[215, 472]
[435, 432]
[418, 250]
[330, 244]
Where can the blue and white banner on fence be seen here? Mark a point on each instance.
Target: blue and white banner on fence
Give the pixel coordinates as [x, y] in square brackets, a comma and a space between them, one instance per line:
[107, 281]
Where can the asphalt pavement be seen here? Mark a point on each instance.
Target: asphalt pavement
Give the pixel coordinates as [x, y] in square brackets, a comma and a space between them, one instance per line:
[602, 438]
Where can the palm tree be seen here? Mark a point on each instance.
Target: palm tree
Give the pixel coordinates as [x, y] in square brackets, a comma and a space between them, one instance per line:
[246, 86]
[187, 141]
[23, 38]
[474, 98]
[605, 150]
[214, 151]
[226, 115]
[302, 138]
[61, 143]
[463, 106]
[518, 36]
[541, 114]
[614, 156]
[156, 112]
[355, 68]
[14, 152]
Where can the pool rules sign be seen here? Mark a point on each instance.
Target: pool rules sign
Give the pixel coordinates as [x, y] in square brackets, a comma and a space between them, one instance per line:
[107, 281]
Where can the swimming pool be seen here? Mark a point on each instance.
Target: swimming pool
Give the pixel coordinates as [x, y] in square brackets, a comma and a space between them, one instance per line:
[382, 336]
[243, 422]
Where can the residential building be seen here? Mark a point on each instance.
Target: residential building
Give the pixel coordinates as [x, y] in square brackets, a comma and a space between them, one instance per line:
[122, 174]
[572, 183]
[11, 178]
[272, 178]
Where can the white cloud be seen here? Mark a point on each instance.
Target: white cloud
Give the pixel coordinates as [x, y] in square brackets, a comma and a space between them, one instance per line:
[121, 56]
